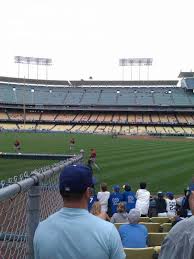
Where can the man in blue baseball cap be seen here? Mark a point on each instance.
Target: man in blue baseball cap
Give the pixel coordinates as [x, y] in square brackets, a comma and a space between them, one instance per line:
[73, 232]
[179, 243]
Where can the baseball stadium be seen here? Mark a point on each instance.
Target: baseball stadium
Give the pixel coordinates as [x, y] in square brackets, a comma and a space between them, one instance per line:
[139, 128]
[141, 131]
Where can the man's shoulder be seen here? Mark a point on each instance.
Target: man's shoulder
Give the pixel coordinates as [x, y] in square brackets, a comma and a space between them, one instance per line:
[51, 218]
[99, 222]
[185, 224]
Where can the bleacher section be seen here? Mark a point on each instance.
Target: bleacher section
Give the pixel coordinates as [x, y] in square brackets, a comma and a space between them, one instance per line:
[102, 107]
[3, 116]
[96, 95]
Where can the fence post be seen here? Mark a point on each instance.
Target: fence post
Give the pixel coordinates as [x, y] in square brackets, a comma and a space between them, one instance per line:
[82, 153]
[33, 217]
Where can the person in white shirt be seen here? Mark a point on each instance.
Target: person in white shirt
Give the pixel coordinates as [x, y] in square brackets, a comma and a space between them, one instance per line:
[103, 197]
[170, 204]
[143, 199]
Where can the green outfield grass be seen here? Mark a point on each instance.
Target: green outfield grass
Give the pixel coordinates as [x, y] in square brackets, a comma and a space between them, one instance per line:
[164, 165]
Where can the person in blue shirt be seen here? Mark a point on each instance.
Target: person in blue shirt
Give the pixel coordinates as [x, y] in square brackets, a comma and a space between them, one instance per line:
[129, 198]
[115, 198]
[73, 232]
[92, 199]
[133, 235]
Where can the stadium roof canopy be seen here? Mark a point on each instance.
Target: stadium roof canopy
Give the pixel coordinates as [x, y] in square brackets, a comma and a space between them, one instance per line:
[188, 83]
[86, 83]
[186, 74]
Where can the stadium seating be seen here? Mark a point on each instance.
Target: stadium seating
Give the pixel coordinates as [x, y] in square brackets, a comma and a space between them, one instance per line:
[32, 116]
[151, 227]
[162, 95]
[91, 129]
[166, 227]
[160, 130]
[124, 130]
[163, 118]
[155, 118]
[108, 129]
[16, 116]
[46, 127]
[96, 96]
[48, 116]
[140, 253]
[27, 126]
[160, 220]
[156, 239]
[146, 118]
[8, 126]
[144, 219]
[151, 129]
[141, 130]
[3, 115]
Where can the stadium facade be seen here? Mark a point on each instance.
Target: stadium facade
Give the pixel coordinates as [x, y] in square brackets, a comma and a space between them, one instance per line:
[103, 107]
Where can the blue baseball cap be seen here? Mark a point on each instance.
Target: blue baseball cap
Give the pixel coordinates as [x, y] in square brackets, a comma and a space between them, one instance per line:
[170, 194]
[191, 187]
[116, 188]
[75, 179]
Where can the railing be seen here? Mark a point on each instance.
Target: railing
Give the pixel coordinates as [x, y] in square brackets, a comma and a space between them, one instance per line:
[26, 202]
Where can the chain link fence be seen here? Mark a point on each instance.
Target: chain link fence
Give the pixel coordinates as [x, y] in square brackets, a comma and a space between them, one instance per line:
[26, 202]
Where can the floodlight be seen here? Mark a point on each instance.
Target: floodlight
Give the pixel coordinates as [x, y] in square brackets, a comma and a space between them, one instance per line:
[33, 61]
[136, 62]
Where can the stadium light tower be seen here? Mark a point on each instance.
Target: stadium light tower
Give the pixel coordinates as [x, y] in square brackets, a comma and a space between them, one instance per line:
[135, 62]
[33, 61]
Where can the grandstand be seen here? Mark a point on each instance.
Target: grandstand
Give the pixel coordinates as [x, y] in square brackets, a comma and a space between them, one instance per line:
[102, 107]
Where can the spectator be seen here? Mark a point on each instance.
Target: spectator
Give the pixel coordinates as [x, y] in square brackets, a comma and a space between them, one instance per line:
[179, 243]
[92, 199]
[133, 235]
[73, 232]
[103, 197]
[183, 205]
[121, 216]
[152, 207]
[114, 199]
[170, 204]
[161, 205]
[96, 211]
[129, 198]
[143, 200]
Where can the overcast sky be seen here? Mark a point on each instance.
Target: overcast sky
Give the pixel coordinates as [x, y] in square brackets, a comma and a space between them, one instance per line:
[87, 37]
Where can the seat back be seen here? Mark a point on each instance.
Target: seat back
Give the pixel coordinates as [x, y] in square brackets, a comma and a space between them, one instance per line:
[156, 239]
[151, 227]
[139, 253]
[166, 227]
[160, 220]
[117, 225]
[144, 219]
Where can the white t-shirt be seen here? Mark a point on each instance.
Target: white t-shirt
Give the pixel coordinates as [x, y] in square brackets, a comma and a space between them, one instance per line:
[143, 201]
[103, 199]
[171, 207]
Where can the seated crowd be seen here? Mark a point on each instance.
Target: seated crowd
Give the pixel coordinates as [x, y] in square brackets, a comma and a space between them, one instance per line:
[162, 205]
[81, 228]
